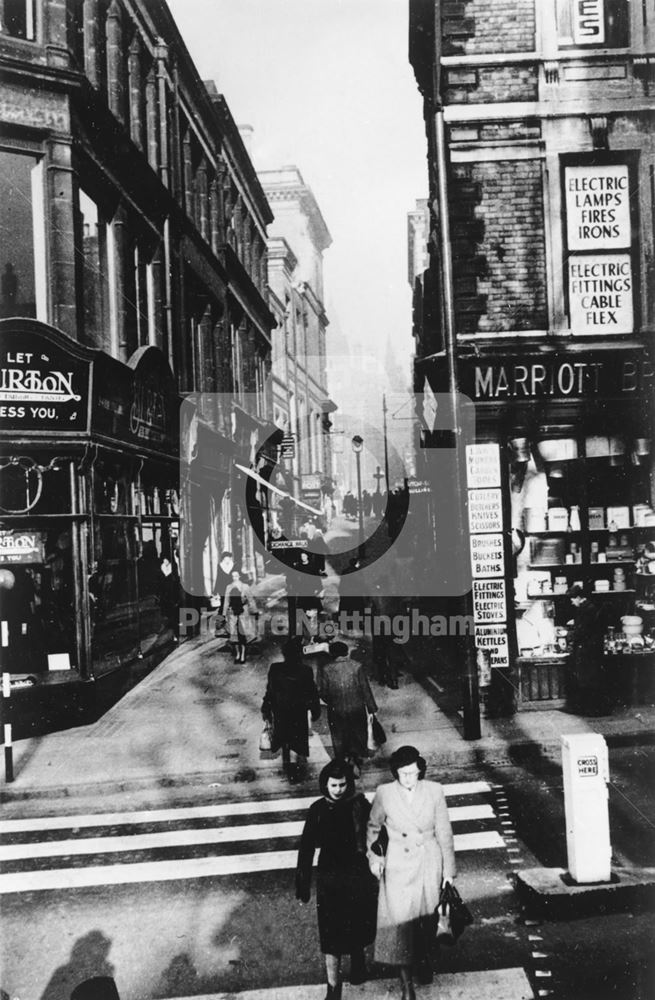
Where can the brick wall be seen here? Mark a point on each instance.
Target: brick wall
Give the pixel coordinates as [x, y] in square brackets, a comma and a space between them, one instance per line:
[479, 26]
[497, 227]
[491, 84]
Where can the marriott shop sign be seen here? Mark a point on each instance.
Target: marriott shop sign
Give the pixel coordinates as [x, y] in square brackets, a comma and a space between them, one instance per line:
[594, 375]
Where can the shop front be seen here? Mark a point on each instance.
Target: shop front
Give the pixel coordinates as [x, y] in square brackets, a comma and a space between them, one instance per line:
[561, 492]
[89, 487]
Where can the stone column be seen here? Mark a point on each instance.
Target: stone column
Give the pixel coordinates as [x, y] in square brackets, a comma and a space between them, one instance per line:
[214, 215]
[118, 269]
[60, 227]
[152, 134]
[135, 85]
[161, 57]
[115, 61]
[202, 200]
[91, 24]
[187, 167]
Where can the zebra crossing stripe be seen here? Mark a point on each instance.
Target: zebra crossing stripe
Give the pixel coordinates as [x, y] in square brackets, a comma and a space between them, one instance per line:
[217, 811]
[186, 838]
[187, 868]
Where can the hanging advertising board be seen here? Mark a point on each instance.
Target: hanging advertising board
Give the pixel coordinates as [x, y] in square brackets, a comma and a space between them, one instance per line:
[598, 206]
[482, 465]
[487, 555]
[485, 511]
[489, 602]
[600, 293]
[493, 639]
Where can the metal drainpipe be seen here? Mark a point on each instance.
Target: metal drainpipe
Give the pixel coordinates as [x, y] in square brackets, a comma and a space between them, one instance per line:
[471, 704]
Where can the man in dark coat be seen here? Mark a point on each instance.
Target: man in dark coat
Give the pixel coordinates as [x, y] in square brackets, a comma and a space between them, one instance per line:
[585, 693]
[344, 687]
[290, 694]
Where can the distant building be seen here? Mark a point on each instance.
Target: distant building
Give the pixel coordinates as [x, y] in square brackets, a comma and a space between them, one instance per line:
[298, 237]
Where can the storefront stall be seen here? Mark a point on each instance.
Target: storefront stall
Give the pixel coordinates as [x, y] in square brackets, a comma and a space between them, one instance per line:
[560, 492]
[89, 487]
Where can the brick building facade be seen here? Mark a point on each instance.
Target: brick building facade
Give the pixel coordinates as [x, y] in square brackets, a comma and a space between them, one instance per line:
[539, 123]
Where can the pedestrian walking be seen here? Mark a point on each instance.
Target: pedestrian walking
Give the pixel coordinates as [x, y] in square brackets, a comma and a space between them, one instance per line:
[419, 859]
[290, 694]
[345, 888]
[240, 608]
[384, 608]
[221, 583]
[169, 597]
[344, 687]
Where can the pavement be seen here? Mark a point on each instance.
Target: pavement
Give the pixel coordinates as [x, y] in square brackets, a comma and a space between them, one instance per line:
[190, 730]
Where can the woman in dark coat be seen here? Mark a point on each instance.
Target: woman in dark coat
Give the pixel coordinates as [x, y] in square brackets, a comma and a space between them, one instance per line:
[345, 889]
[290, 694]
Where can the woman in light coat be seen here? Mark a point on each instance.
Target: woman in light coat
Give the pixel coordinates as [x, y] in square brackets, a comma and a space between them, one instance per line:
[239, 609]
[419, 858]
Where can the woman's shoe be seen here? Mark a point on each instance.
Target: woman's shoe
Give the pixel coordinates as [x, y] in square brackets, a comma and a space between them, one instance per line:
[408, 992]
[334, 992]
[358, 974]
[424, 972]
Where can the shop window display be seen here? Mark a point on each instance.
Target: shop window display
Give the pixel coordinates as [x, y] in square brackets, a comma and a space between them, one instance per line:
[582, 513]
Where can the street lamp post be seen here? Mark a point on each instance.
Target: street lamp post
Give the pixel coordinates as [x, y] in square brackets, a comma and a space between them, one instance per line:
[357, 445]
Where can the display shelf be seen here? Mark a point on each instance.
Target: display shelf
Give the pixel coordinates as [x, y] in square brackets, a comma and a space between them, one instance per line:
[583, 565]
[620, 531]
[545, 597]
[551, 534]
[612, 593]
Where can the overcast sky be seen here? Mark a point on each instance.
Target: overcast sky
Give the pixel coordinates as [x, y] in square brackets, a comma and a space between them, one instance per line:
[327, 86]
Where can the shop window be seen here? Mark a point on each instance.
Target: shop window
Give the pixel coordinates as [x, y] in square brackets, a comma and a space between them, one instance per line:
[157, 543]
[18, 18]
[34, 485]
[601, 23]
[95, 290]
[21, 229]
[113, 593]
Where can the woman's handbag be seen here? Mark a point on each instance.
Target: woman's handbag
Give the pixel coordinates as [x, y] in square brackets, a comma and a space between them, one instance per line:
[375, 734]
[453, 913]
[266, 738]
[379, 734]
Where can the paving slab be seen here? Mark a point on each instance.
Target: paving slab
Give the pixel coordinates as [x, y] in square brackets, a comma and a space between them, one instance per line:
[499, 984]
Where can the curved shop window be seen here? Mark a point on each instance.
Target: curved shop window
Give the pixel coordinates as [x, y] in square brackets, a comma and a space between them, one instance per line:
[112, 585]
[38, 562]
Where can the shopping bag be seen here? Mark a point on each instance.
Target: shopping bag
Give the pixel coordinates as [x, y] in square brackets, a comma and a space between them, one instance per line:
[371, 745]
[456, 915]
[266, 738]
[379, 734]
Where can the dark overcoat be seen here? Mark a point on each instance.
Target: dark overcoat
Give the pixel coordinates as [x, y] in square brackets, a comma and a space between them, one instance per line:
[345, 889]
[344, 687]
[290, 694]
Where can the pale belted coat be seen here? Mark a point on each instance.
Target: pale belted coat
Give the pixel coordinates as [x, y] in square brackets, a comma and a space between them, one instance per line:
[419, 856]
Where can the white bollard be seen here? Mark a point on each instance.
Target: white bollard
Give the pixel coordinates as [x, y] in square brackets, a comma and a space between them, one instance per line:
[585, 769]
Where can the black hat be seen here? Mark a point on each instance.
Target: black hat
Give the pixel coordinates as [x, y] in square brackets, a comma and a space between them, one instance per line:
[403, 757]
[575, 590]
